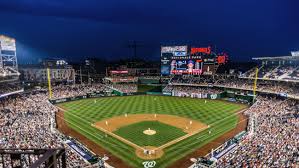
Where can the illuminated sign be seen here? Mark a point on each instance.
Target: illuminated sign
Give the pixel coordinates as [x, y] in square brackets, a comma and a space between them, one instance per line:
[61, 62]
[119, 72]
[209, 60]
[180, 53]
[295, 53]
[172, 49]
[222, 58]
[187, 71]
[182, 60]
[206, 50]
[197, 57]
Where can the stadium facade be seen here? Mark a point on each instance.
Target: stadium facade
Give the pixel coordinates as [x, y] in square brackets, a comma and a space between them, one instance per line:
[60, 72]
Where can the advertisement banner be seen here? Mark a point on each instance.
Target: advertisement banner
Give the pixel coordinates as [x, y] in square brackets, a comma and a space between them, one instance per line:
[119, 72]
[180, 53]
[172, 49]
[206, 50]
[167, 93]
[62, 100]
[79, 150]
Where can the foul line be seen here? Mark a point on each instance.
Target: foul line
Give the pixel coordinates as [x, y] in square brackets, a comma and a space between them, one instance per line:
[119, 137]
[180, 139]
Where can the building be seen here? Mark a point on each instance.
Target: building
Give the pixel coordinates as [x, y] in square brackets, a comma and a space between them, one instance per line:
[138, 68]
[60, 72]
[92, 70]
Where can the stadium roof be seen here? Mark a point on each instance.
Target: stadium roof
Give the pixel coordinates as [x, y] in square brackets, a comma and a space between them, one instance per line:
[277, 58]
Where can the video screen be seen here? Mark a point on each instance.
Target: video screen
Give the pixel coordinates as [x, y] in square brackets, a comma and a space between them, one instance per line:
[192, 67]
[179, 60]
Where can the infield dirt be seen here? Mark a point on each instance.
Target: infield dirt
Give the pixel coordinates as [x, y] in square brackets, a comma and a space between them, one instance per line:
[186, 124]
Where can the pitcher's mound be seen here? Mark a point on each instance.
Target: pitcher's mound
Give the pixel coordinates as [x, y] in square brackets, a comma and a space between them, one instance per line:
[149, 132]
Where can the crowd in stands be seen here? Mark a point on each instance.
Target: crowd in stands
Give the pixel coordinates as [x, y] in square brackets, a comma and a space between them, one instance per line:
[275, 72]
[290, 88]
[150, 77]
[181, 79]
[190, 91]
[8, 88]
[275, 141]
[165, 80]
[125, 88]
[203, 80]
[262, 85]
[63, 91]
[6, 71]
[27, 121]
[117, 79]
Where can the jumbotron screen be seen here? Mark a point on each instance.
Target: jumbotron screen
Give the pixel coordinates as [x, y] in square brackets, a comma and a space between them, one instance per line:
[177, 60]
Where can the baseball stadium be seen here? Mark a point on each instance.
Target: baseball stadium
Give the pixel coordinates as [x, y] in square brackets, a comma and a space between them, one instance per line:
[183, 113]
[117, 84]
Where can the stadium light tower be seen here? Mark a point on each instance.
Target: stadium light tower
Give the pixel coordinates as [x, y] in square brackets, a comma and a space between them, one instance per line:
[8, 57]
[295, 53]
[134, 45]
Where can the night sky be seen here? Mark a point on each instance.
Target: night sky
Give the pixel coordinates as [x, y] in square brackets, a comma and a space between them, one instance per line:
[76, 29]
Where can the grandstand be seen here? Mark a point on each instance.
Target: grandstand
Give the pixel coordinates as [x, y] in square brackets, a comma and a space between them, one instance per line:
[282, 68]
[248, 124]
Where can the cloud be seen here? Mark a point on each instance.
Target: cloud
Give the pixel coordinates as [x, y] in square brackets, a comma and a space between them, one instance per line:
[118, 12]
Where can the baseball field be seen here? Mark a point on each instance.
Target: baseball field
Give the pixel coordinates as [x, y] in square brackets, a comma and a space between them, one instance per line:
[142, 128]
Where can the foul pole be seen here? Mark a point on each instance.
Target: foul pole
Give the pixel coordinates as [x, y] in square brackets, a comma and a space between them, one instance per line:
[255, 83]
[49, 83]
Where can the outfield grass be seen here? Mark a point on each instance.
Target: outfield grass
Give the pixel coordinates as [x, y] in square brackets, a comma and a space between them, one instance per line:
[164, 133]
[220, 115]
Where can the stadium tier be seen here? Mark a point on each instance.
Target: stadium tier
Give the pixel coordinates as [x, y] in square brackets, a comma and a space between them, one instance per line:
[283, 68]
[189, 116]
[187, 120]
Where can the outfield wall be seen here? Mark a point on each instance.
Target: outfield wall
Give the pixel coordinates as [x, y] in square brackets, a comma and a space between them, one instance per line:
[234, 94]
[116, 93]
[88, 95]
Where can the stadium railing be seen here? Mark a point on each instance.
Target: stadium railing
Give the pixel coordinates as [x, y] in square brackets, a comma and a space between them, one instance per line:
[33, 158]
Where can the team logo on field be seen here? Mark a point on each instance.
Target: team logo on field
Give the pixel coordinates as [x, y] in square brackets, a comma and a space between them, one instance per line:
[213, 96]
[149, 164]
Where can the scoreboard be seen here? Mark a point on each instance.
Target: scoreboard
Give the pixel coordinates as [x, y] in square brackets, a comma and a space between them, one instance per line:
[179, 60]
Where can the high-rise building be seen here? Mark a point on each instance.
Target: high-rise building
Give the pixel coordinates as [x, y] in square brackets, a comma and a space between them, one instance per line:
[60, 72]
